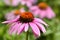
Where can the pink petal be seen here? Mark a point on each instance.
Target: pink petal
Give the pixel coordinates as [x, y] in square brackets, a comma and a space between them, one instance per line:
[21, 28]
[41, 27]
[35, 28]
[13, 27]
[36, 36]
[26, 27]
[12, 20]
[42, 13]
[22, 2]
[36, 13]
[33, 8]
[40, 21]
[29, 4]
[15, 2]
[15, 30]
[12, 24]
[10, 16]
[50, 13]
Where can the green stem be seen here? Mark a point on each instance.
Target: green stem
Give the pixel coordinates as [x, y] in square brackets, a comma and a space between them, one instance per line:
[27, 35]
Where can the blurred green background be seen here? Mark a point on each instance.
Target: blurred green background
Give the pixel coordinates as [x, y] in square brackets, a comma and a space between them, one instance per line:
[53, 31]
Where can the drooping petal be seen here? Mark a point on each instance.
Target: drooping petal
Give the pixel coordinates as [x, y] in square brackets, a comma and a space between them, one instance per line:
[42, 13]
[12, 24]
[36, 36]
[26, 27]
[41, 27]
[16, 28]
[13, 27]
[50, 13]
[40, 21]
[21, 28]
[10, 21]
[36, 12]
[35, 28]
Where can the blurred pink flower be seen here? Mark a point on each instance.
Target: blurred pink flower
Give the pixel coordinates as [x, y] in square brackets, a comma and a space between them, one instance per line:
[28, 2]
[43, 11]
[13, 14]
[24, 21]
[12, 2]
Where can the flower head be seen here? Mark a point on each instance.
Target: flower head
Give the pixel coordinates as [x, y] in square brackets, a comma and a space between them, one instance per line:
[26, 16]
[42, 10]
[12, 2]
[24, 21]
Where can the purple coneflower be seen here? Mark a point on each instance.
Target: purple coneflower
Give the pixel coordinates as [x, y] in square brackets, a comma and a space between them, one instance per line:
[24, 21]
[42, 10]
[13, 14]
